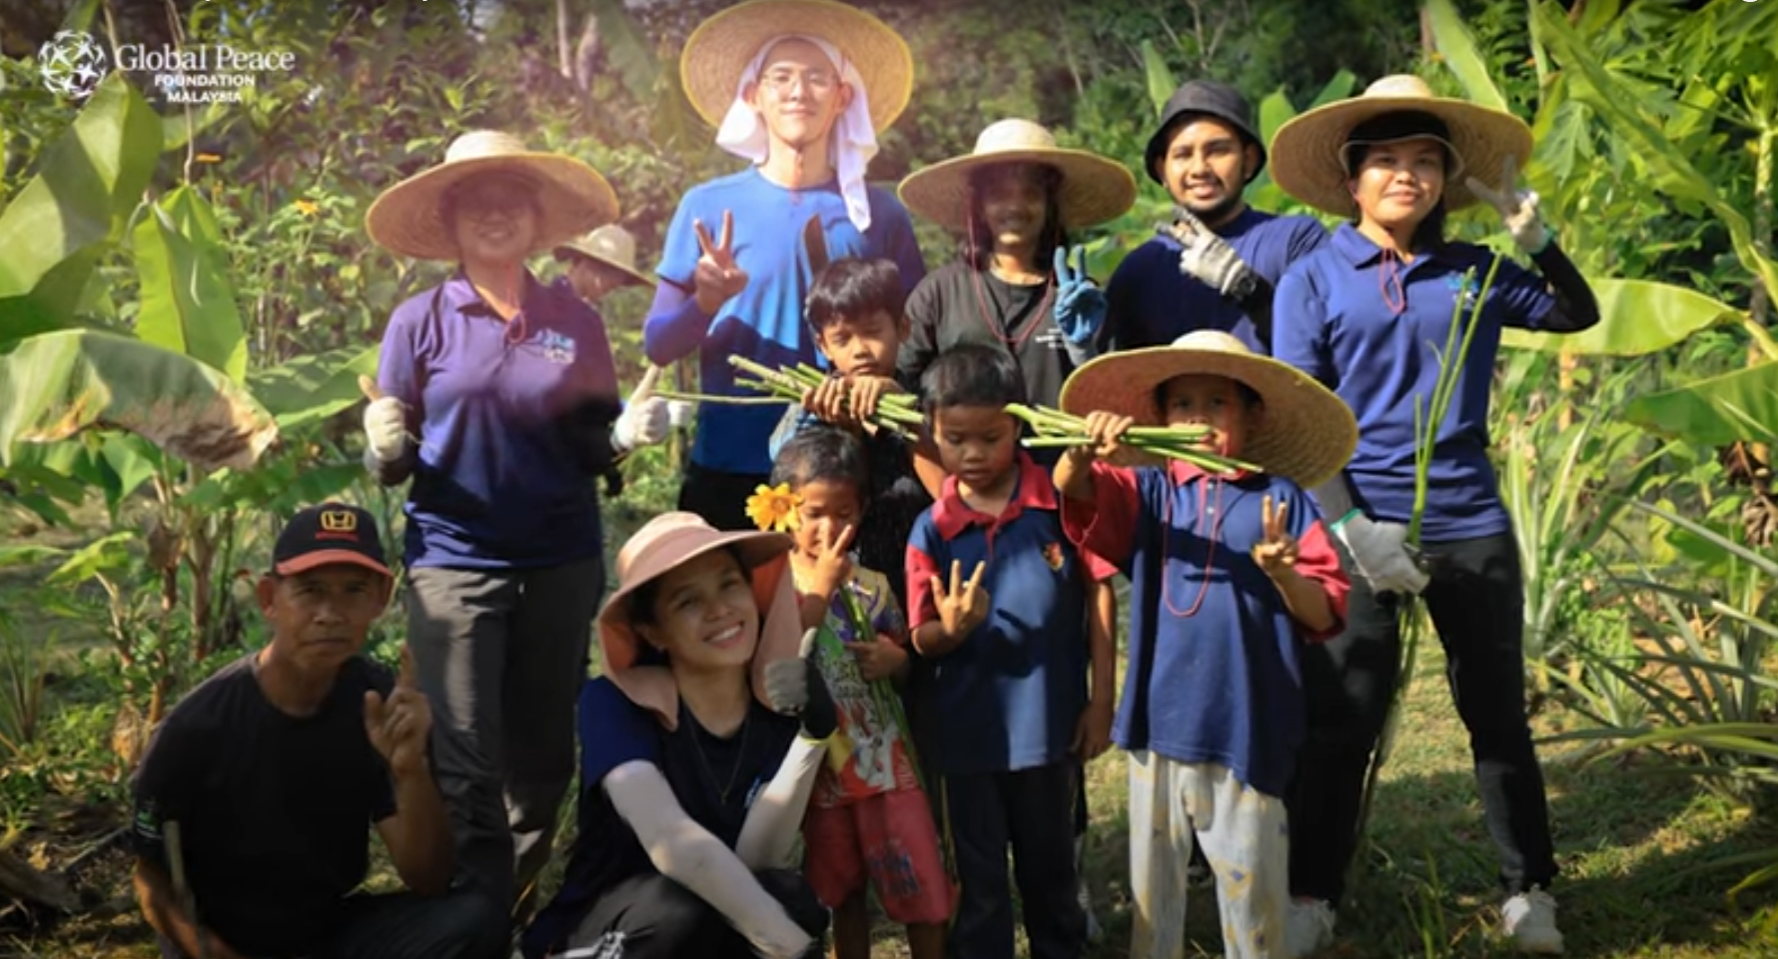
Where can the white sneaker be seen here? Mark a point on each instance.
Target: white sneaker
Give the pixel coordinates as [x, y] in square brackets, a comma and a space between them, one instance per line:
[1309, 928]
[1529, 920]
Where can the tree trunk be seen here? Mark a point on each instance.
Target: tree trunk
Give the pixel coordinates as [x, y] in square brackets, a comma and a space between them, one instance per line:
[21, 882]
[1762, 235]
[564, 49]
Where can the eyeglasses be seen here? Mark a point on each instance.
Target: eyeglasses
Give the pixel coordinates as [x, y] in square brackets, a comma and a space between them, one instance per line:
[781, 82]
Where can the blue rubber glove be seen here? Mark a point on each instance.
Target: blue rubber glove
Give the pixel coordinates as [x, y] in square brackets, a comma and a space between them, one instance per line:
[1080, 305]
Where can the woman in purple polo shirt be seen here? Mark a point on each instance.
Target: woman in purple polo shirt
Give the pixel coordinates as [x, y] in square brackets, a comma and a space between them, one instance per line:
[499, 398]
[1363, 314]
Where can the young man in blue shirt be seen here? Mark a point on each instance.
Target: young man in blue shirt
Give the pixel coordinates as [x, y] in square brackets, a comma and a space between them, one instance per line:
[1003, 716]
[1217, 267]
[799, 87]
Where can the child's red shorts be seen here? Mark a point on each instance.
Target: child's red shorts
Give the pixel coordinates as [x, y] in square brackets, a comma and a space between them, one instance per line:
[889, 838]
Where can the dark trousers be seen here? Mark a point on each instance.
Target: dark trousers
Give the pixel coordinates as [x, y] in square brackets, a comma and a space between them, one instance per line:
[462, 925]
[653, 917]
[502, 655]
[1476, 602]
[1031, 810]
[720, 498]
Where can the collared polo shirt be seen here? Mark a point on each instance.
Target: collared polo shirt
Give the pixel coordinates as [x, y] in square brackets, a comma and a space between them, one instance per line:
[1150, 303]
[1213, 674]
[506, 469]
[763, 322]
[1009, 696]
[1331, 321]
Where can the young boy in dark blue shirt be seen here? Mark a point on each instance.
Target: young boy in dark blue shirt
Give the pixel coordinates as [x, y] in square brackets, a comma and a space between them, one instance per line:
[999, 605]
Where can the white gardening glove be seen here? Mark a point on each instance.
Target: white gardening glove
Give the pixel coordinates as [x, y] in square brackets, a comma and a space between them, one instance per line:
[643, 423]
[1379, 550]
[644, 420]
[681, 413]
[385, 429]
[1517, 208]
[1209, 258]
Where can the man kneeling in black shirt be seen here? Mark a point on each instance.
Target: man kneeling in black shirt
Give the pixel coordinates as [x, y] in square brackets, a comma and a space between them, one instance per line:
[274, 768]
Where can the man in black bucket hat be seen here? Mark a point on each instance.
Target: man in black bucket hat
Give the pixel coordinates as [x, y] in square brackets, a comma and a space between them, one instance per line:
[1214, 267]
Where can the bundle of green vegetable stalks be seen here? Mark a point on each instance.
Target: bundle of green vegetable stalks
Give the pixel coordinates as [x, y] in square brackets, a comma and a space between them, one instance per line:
[1055, 428]
[899, 413]
[896, 412]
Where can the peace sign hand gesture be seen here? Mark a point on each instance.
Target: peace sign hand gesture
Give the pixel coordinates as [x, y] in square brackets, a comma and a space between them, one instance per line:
[717, 278]
[1277, 551]
[1080, 304]
[964, 606]
[400, 725]
[1518, 208]
[833, 563]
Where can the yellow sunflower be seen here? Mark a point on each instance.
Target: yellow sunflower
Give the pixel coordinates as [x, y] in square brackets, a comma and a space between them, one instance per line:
[774, 508]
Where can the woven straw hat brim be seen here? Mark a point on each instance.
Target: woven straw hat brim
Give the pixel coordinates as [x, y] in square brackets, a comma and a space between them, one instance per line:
[1307, 435]
[1094, 188]
[1306, 151]
[722, 46]
[572, 198]
[578, 249]
[673, 549]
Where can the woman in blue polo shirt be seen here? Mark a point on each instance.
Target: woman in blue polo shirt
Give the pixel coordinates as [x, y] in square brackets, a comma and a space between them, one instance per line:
[499, 397]
[1363, 314]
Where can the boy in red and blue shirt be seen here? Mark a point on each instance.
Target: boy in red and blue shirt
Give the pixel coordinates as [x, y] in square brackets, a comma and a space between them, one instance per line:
[1003, 717]
[1229, 573]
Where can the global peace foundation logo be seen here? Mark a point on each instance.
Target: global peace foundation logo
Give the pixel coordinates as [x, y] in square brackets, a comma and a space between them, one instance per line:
[72, 64]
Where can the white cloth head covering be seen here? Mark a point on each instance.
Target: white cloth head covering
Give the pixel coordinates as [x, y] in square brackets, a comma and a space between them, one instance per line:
[852, 142]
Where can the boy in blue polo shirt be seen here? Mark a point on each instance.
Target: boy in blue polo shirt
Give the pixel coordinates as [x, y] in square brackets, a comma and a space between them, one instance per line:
[1004, 715]
[1229, 573]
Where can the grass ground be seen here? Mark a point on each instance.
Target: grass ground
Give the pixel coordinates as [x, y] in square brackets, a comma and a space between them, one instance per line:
[1629, 834]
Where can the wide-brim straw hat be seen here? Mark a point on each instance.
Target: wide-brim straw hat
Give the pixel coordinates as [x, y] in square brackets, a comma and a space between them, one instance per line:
[1094, 188]
[1307, 433]
[1308, 153]
[611, 245]
[664, 543]
[721, 48]
[572, 198]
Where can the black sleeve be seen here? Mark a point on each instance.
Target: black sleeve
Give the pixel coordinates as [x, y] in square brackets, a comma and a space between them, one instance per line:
[379, 788]
[396, 473]
[164, 788]
[586, 429]
[1576, 308]
[1257, 304]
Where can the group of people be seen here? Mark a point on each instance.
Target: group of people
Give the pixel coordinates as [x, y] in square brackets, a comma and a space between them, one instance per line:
[864, 655]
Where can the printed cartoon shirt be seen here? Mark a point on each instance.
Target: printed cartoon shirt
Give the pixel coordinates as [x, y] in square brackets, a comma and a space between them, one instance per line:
[1333, 323]
[764, 322]
[869, 753]
[1150, 303]
[1212, 674]
[1009, 696]
[513, 420]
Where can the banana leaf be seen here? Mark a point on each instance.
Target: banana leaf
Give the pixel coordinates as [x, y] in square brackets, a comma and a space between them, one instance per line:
[55, 385]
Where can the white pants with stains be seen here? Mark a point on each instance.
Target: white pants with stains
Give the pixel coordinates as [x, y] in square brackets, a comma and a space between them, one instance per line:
[1245, 838]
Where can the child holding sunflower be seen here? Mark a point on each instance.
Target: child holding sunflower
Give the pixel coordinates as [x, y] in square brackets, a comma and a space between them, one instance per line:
[869, 817]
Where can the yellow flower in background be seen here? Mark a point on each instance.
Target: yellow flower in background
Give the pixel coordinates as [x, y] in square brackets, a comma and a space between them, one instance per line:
[774, 508]
[307, 207]
[208, 158]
